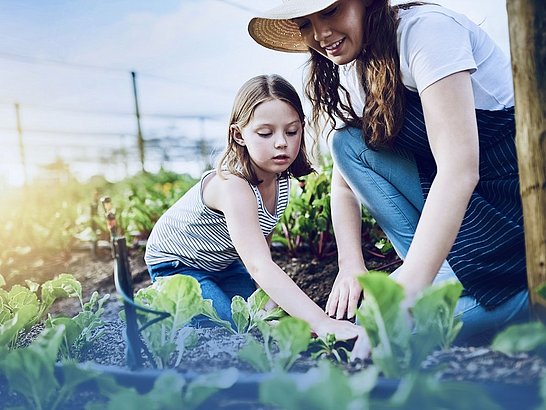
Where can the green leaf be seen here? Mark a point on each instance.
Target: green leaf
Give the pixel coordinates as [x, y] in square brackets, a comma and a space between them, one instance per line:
[11, 328]
[206, 385]
[180, 295]
[63, 286]
[293, 336]
[20, 296]
[435, 323]
[387, 327]
[240, 313]
[254, 354]
[210, 312]
[427, 392]
[527, 337]
[257, 301]
[33, 286]
[30, 370]
[322, 388]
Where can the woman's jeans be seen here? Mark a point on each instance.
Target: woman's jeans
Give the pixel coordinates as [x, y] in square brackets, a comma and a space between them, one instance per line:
[387, 184]
[219, 286]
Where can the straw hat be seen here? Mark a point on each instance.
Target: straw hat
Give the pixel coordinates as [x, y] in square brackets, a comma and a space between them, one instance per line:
[275, 29]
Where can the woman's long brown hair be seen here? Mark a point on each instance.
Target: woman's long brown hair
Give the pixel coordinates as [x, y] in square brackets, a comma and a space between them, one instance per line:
[379, 69]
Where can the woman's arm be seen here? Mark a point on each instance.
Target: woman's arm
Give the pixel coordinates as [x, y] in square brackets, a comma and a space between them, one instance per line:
[453, 135]
[347, 223]
[239, 207]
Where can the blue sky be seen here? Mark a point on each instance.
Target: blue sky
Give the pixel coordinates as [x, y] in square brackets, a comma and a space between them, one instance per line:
[67, 63]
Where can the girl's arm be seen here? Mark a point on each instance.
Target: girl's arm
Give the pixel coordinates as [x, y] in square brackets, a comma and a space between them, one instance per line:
[236, 200]
[453, 135]
[347, 223]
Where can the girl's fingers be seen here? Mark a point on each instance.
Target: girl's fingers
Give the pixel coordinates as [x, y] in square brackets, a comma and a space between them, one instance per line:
[362, 348]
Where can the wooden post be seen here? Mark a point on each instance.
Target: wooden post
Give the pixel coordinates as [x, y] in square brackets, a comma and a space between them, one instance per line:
[140, 139]
[21, 145]
[527, 23]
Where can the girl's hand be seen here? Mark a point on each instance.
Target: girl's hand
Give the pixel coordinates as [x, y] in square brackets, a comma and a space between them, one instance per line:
[344, 297]
[344, 330]
[270, 305]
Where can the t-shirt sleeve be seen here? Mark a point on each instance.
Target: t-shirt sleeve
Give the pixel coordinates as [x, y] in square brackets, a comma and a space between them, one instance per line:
[433, 46]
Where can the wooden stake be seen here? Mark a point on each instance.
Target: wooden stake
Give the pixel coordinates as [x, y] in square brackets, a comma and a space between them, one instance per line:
[527, 23]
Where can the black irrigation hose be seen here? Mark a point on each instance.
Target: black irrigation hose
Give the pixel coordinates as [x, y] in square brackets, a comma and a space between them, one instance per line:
[127, 299]
[124, 286]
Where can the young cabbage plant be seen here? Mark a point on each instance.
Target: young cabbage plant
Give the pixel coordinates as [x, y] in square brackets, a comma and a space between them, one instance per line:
[281, 347]
[398, 345]
[329, 347]
[179, 295]
[525, 337]
[20, 307]
[322, 388]
[82, 330]
[248, 314]
[425, 391]
[29, 372]
[170, 392]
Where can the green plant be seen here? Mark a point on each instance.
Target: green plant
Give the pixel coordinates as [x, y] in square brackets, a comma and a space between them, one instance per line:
[425, 391]
[525, 337]
[179, 295]
[290, 336]
[30, 372]
[142, 199]
[20, 307]
[396, 349]
[322, 388]
[247, 314]
[81, 331]
[170, 392]
[329, 347]
[307, 218]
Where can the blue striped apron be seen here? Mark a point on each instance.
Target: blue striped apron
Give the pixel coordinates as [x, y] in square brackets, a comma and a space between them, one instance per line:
[488, 256]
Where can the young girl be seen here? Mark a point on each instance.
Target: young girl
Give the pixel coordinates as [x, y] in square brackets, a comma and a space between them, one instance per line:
[428, 147]
[219, 231]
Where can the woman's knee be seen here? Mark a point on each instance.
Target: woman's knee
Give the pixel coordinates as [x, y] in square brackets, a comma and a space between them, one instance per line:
[346, 142]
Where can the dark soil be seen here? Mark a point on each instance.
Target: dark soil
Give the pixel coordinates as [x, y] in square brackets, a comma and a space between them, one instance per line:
[315, 277]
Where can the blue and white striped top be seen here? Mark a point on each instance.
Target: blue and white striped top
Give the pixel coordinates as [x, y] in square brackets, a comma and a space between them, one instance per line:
[197, 236]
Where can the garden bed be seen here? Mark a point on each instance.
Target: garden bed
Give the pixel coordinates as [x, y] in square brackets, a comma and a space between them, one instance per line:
[510, 380]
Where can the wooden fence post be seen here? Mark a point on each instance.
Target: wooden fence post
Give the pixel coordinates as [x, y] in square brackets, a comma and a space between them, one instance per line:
[527, 24]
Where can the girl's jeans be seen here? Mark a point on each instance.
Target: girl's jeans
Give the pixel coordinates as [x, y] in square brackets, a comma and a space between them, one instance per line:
[387, 184]
[219, 286]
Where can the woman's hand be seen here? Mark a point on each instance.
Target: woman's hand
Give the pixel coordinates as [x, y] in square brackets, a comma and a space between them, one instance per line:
[344, 330]
[344, 297]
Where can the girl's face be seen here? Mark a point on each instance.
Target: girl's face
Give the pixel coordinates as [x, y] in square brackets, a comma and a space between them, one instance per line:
[335, 32]
[272, 137]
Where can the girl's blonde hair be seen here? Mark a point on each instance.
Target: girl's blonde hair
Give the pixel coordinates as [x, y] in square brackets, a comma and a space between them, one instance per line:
[379, 68]
[235, 159]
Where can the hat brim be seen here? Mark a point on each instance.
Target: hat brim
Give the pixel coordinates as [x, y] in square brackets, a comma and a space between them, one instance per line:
[279, 35]
[275, 29]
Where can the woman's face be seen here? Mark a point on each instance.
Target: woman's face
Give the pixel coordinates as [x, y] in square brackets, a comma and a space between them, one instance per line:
[335, 32]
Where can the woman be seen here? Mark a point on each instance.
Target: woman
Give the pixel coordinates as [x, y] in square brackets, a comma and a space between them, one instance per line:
[426, 100]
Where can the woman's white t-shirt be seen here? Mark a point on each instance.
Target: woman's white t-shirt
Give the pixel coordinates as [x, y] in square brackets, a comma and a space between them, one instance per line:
[434, 42]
